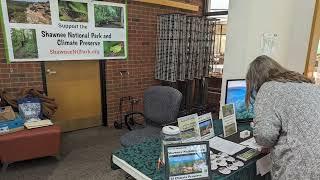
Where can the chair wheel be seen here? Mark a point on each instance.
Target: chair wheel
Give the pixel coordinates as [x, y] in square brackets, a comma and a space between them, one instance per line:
[117, 125]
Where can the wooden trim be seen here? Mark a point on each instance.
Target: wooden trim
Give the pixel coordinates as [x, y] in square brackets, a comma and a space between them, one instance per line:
[103, 88]
[44, 77]
[313, 42]
[173, 4]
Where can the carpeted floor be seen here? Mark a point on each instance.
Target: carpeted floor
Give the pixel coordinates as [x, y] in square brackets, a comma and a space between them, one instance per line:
[85, 155]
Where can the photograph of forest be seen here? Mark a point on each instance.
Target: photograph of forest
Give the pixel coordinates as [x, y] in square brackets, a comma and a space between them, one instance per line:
[113, 48]
[29, 11]
[24, 43]
[108, 16]
[73, 11]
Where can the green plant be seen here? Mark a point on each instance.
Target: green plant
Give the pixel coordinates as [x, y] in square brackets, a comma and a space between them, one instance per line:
[18, 38]
[24, 43]
[105, 15]
[113, 48]
[78, 7]
[16, 11]
[73, 11]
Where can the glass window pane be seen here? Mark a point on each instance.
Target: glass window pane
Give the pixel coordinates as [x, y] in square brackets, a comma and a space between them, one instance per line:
[219, 4]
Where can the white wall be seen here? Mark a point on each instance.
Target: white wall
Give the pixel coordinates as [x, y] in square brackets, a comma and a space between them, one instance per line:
[291, 20]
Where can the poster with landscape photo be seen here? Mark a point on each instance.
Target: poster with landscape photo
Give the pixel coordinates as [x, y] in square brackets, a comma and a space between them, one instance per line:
[108, 16]
[73, 11]
[186, 164]
[236, 94]
[24, 43]
[29, 11]
[59, 30]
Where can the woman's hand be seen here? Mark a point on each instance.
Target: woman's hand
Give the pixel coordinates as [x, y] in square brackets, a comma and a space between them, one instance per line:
[265, 150]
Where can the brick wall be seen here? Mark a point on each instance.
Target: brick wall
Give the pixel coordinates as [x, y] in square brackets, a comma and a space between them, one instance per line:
[16, 76]
[142, 20]
[142, 26]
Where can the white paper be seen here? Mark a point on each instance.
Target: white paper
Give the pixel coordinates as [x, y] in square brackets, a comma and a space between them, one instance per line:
[225, 146]
[251, 143]
[229, 122]
[264, 165]
[268, 43]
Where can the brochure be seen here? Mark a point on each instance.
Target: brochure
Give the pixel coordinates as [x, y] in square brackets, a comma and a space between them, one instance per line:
[206, 128]
[229, 122]
[189, 128]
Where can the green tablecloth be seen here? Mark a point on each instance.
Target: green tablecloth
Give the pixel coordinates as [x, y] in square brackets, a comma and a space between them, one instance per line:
[144, 158]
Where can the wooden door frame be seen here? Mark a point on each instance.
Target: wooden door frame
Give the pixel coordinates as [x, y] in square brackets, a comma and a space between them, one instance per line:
[103, 88]
[313, 41]
[103, 91]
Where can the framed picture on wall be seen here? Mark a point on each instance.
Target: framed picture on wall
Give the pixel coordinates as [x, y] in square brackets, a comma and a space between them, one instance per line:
[187, 161]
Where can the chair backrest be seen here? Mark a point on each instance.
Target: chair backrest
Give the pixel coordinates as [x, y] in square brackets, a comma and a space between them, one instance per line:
[161, 104]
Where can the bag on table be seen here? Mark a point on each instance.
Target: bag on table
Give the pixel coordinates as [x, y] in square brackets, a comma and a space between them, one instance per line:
[7, 113]
[30, 108]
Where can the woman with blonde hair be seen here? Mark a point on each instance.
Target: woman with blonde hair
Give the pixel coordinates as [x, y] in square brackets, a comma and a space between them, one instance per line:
[287, 110]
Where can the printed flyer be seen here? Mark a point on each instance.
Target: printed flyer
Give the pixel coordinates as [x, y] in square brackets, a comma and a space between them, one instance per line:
[51, 30]
[189, 128]
[229, 120]
[206, 126]
[188, 162]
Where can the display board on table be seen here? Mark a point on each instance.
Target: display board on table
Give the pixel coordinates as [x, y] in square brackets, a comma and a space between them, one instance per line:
[50, 30]
[229, 122]
[188, 161]
[196, 128]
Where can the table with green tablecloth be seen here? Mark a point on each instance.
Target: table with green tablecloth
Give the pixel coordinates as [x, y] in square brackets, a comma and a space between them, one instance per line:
[142, 159]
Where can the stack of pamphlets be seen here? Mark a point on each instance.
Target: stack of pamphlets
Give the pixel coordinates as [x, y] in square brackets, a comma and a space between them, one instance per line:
[38, 124]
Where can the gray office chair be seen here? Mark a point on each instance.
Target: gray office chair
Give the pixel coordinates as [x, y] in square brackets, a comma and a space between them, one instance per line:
[161, 107]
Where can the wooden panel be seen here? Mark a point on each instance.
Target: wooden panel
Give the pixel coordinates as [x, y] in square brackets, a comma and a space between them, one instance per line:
[76, 87]
[174, 4]
[314, 41]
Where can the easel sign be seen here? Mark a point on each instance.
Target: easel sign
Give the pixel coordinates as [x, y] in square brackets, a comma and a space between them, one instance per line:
[206, 128]
[229, 122]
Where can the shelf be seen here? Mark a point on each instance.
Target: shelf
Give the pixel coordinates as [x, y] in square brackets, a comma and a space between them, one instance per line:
[173, 4]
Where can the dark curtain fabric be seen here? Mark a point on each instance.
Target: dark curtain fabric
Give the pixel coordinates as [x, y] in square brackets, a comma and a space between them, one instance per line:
[184, 47]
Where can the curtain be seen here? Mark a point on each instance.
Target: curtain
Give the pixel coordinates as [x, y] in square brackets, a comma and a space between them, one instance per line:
[184, 47]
